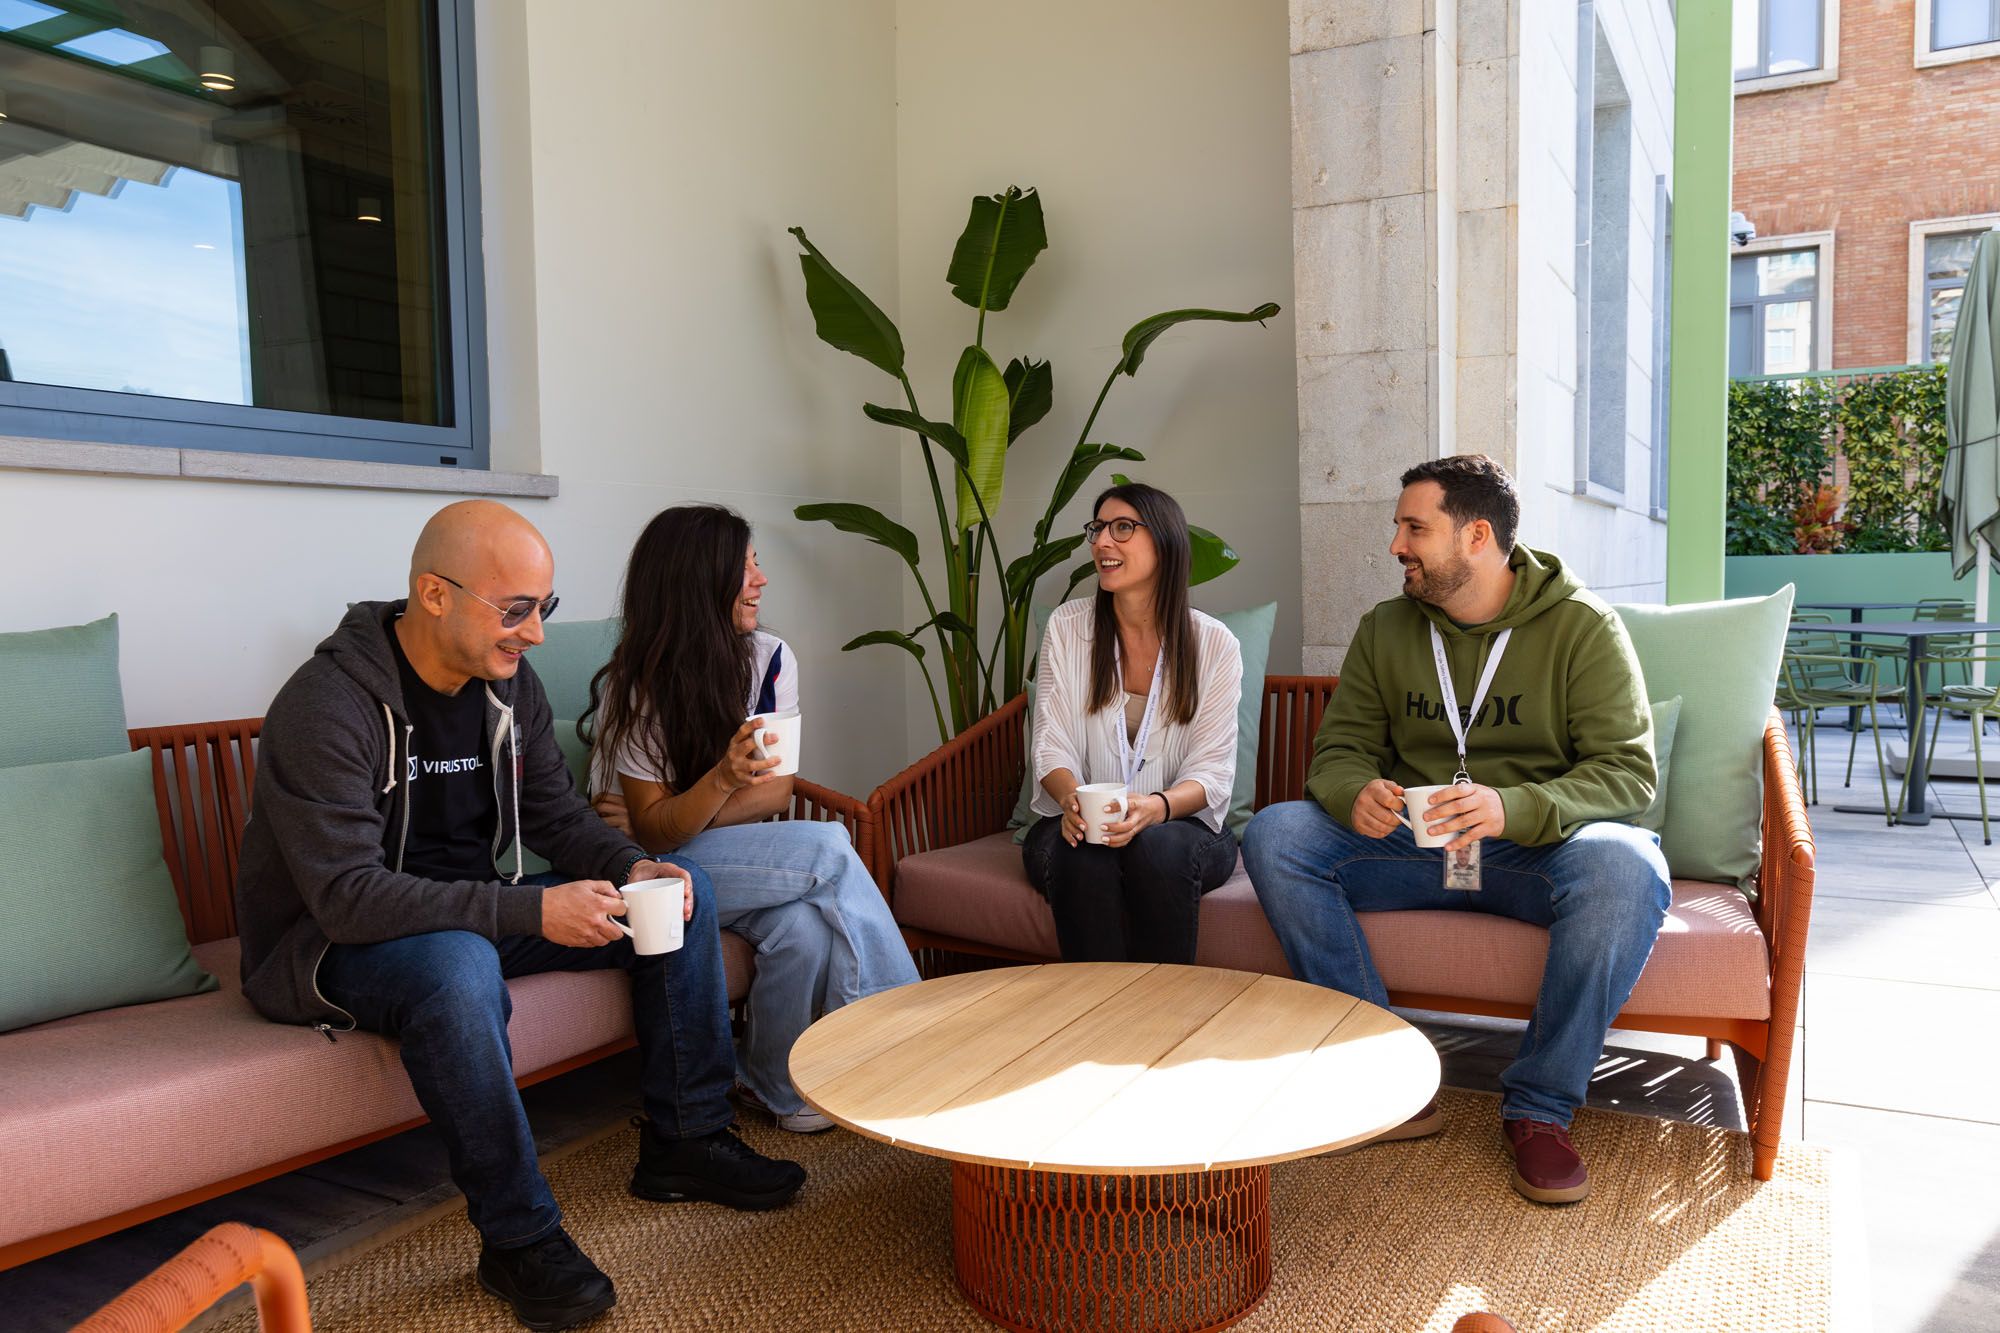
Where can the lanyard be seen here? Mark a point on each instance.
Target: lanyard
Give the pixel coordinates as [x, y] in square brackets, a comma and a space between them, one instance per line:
[1458, 724]
[1131, 751]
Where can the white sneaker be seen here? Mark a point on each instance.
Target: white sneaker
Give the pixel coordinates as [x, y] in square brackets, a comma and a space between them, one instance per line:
[805, 1120]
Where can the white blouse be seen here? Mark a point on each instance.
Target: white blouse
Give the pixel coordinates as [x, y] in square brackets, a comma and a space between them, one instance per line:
[1204, 750]
[631, 761]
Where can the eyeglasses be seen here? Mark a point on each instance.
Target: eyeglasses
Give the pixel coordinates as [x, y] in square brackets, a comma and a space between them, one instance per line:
[1121, 529]
[513, 613]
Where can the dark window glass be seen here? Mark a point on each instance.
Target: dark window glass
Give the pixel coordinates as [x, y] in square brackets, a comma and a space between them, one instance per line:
[233, 203]
[1772, 312]
[1947, 258]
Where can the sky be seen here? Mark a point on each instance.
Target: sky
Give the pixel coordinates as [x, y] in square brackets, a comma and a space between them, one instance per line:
[140, 292]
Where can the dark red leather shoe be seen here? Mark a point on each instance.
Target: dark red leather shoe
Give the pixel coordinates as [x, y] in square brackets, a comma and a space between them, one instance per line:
[1547, 1168]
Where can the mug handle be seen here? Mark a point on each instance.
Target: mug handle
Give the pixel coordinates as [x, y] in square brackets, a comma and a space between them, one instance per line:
[1404, 820]
[757, 738]
[629, 933]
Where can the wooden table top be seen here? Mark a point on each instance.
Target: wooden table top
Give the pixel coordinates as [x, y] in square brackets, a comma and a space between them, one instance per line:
[1115, 1068]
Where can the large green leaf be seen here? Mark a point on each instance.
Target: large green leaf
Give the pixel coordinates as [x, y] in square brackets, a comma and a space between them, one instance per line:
[1209, 556]
[998, 246]
[1086, 570]
[1024, 573]
[1142, 334]
[894, 638]
[865, 522]
[1031, 392]
[844, 316]
[945, 437]
[949, 621]
[979, 410]
[1086, 460]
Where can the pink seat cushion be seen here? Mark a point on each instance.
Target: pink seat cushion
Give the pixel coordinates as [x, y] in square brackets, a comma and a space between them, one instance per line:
[116, 1109]
[1710, 960]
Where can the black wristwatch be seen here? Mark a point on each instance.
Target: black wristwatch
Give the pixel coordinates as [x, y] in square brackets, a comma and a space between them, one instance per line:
[625, 876]
[1166, 805]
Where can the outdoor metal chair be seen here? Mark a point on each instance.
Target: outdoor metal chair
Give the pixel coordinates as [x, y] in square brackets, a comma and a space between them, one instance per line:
[1979, 702]
[1817, 674]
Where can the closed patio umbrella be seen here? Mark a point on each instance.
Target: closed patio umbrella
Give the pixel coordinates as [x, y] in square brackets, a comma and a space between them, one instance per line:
[1970, 494]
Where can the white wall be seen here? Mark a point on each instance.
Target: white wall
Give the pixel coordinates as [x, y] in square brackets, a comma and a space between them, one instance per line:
[1158, 133]
[650, 344]
[1617, 549]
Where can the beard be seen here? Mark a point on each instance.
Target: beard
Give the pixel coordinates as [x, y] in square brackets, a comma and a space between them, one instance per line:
[1435, 583]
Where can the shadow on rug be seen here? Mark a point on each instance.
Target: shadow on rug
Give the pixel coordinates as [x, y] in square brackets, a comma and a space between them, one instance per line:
[1406, 1236]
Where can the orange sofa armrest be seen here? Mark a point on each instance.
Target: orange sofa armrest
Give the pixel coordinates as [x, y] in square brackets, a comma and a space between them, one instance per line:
[1785, 876]
[964, 789]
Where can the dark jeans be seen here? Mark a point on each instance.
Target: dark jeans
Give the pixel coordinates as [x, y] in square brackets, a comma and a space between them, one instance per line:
[1138, 903]
[443, 995]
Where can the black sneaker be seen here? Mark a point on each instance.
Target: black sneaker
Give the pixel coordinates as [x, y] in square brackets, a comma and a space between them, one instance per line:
[718, 1167]
[550, 1284]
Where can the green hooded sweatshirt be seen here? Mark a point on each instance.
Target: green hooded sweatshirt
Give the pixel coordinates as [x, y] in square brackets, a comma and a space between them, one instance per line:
[1565, 735]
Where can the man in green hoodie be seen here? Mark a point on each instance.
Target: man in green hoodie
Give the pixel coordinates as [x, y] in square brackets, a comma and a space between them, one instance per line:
[1498, 673]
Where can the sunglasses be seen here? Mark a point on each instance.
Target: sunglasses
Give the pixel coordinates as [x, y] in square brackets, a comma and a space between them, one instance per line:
[513, 613]
[1121, 529]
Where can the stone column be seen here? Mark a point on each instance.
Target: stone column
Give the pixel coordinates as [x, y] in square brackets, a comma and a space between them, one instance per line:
[1375, 90]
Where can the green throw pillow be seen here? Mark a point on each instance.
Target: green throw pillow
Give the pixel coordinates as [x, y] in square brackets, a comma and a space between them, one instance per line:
[1666, 718]
[62, 694]
[88, 918]
[1252, 629]
[570, 653]
[1722, 659]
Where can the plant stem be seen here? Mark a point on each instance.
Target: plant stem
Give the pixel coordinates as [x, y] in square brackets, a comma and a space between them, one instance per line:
[953, 569]
[1084, 436]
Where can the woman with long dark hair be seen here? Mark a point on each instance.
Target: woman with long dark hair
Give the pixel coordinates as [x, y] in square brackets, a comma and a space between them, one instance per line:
[1135, 687]
[674, 722]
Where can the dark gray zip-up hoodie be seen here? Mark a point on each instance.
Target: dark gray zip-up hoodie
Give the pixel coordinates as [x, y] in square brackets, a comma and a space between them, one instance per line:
[323, 850]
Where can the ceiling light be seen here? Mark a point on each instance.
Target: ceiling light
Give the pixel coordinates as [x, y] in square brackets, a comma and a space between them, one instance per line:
[368, 209]
[218, 69]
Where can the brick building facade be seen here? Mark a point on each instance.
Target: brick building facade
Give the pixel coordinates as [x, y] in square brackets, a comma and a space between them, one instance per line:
[1871, 168]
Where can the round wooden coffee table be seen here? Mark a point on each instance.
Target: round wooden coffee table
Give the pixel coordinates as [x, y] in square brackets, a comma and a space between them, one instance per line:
[1111, 1125]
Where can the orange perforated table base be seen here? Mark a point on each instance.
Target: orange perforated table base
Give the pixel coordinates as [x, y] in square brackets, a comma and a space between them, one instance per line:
[1038, 1250]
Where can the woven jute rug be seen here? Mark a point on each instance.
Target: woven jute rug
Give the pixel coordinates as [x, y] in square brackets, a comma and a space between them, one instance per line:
[1405, 1236]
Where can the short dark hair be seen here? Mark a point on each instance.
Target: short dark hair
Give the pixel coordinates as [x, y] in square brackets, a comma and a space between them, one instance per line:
[1475, 486]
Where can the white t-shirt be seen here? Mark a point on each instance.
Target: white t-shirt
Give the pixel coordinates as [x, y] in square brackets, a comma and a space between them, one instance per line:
[631, 760]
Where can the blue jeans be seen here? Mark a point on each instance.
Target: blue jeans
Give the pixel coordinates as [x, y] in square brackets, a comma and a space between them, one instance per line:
[824, 935]
[1602, 893]
[443, 995]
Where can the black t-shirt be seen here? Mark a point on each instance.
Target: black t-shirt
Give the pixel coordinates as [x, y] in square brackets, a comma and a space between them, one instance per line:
[453, 813]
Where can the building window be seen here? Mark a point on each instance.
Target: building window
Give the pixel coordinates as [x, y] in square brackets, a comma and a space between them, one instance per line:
[1775, 312]
[246, 225]
[1776, 38]
[1946, 259]
[1956, 23]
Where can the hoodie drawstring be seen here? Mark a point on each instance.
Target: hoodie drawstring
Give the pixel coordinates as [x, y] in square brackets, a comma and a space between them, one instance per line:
[514, 786]
[389, 725]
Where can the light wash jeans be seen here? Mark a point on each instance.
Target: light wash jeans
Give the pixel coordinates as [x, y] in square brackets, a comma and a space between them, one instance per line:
[1602, 894]
[824, 936]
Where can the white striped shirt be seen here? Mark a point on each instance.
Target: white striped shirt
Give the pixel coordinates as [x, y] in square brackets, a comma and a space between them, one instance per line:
[1204, 750]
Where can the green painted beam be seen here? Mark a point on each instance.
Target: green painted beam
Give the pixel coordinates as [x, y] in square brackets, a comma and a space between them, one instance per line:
[1699, 395]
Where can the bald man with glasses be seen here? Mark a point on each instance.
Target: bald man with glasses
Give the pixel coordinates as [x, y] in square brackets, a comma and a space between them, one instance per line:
[401, 772]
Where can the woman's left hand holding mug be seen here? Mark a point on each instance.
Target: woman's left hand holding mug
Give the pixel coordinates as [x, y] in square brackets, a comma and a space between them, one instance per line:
[1146, 810]
[739, 766]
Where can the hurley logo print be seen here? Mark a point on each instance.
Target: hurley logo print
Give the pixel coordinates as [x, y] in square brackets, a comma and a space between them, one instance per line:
[1500, 710]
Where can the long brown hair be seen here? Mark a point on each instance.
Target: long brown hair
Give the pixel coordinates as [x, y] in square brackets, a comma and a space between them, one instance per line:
[678, 683]
[1166, 523]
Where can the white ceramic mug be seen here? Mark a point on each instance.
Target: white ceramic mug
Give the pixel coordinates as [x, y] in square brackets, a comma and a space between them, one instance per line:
[1100, 803]
[1417, 801]
[786, 724]
[654, 907]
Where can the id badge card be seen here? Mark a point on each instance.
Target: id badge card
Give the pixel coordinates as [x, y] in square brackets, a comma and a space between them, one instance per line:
[1461, 869]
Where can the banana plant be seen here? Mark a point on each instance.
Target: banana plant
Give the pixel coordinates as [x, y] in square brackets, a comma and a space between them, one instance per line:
[991, 407]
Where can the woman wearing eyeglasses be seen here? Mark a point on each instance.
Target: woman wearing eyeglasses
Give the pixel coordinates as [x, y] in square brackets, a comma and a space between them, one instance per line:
[1134, 687]
[673, 726]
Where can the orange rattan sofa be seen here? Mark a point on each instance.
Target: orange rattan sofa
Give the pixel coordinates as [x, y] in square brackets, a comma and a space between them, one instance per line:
[113, 1118]
[1724, 968]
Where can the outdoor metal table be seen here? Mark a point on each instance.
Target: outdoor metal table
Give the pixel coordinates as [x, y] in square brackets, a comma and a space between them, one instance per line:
[1854, 610]
[1917, 633]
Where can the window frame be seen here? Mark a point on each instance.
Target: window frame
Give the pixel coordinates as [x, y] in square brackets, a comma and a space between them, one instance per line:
[99, 416]
[1829, 53]
[1927, 58]
[1822, 241]
[1919, 286]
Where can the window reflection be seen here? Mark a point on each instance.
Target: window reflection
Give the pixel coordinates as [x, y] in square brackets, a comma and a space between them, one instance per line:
[160, 238]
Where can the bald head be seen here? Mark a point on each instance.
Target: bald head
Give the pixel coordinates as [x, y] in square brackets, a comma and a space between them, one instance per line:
[465, 538]
[472, 559]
